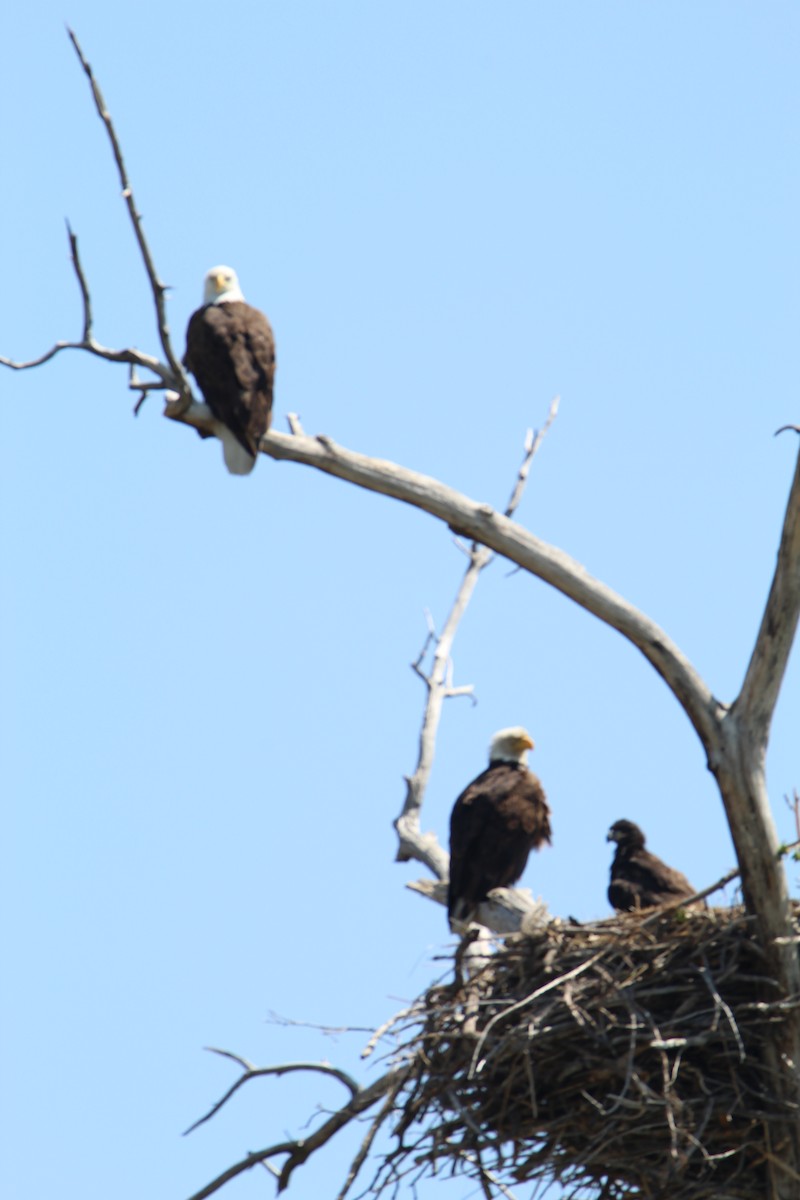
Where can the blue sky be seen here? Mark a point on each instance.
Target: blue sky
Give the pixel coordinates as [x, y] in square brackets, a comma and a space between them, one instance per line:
[450, 212]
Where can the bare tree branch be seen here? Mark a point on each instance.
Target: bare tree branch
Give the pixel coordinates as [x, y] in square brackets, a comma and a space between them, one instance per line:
[759, 694]
[157, 287]
[709, 891]
[414, 844]
[332, 1031]
[794, 807]
[481, 523]
[299, 1149]
[83, 285]
[89, 343]
[170, 374]
[377, 1034]
[252, 1072]
[532, 444]
[503, 912]
[366, 1144]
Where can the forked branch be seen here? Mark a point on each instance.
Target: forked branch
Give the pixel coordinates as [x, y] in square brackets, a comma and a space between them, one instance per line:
[170, 374]
[156, 286]
[295, 1151]
[414, 844]
[89, 343]
[251, 1072]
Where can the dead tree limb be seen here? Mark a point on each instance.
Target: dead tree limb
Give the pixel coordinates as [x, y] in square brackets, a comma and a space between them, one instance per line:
[156, 286]
[296, 1151]
[252, 1072]
[89, 343]
[414, 844]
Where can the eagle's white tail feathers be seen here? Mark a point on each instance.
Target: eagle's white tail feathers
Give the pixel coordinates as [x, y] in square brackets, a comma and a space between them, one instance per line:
[237, 459]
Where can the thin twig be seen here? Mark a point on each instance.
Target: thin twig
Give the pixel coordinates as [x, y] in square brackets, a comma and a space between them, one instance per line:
[707, 978]
[15, 365]
[533, 442]
[275, 1018]
[86, 298]
[384, 1029]
[708, 891]
[251, 1072]
[794, 807]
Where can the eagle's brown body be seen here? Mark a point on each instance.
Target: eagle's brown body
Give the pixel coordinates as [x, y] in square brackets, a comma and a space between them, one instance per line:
[638, 878]
[496, 821]
[230, 350]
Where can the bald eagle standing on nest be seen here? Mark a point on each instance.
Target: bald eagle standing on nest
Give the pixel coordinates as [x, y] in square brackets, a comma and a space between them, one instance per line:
[496, 822]
[230, 351]
[638, 878]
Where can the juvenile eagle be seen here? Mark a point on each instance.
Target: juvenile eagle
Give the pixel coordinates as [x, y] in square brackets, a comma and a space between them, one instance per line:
[230, 351]
[495, 823]
[638, 878]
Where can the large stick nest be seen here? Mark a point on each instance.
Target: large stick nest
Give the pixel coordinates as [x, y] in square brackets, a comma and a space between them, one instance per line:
[624, 1058]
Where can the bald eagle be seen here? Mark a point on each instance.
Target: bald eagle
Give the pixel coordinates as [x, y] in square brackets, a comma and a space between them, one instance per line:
[638, 878]
[230, 351]
[495, 823]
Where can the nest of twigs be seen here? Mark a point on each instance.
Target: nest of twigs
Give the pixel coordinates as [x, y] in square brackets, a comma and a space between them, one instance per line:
[624, 1058]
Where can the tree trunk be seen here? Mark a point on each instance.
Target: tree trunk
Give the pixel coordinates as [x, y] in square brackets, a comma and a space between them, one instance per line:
[739, 771]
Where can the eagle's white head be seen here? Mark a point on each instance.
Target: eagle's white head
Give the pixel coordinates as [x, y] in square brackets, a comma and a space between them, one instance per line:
[221, 284]
[511, 745]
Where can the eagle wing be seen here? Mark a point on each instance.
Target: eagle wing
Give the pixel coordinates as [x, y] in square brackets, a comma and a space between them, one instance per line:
[495, 823]
[642, 880]
[230, 350]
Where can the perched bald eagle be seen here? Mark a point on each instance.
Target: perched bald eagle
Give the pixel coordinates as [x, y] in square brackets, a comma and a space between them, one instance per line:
[495, 823]
[638, 878]
[230, 351]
